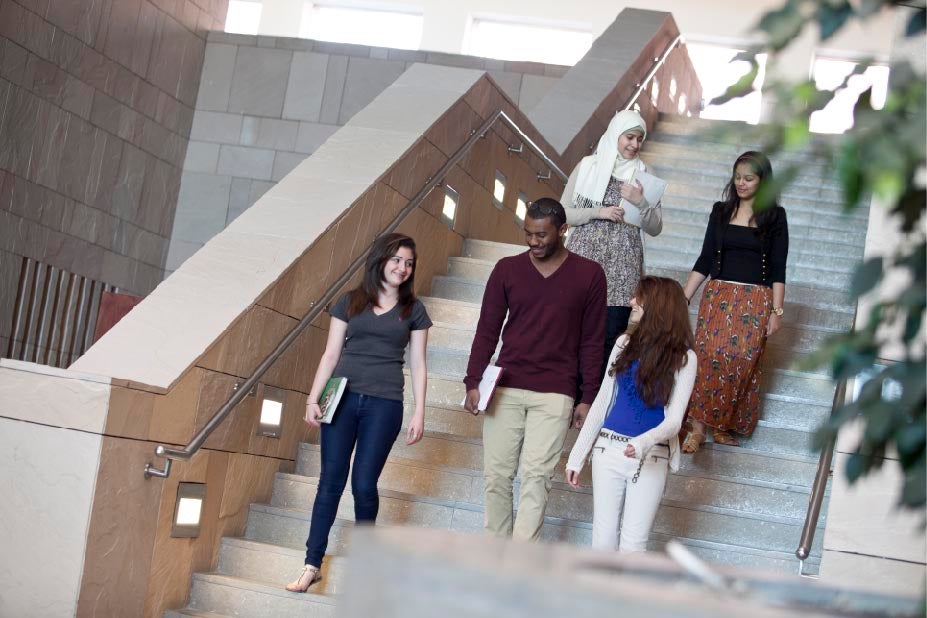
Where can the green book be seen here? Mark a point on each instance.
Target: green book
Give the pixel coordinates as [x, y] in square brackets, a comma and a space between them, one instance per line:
[331, 397]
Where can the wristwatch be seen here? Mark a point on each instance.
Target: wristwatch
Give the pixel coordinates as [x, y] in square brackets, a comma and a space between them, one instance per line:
[778, 311]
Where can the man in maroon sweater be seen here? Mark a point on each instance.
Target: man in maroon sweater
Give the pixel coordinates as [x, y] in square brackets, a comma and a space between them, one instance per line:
[555, 301]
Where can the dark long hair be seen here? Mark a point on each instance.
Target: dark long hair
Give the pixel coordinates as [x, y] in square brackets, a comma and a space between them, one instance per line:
[365, 295]
[660, 341]
[769, 212]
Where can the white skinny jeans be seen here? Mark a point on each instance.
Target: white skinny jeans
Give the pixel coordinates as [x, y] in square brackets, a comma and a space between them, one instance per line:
[619, 502]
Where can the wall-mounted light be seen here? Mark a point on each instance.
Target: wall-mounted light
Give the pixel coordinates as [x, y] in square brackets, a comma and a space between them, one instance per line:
[451, 201]
[188, 509]
[521, 207]
[655, 91]
[271, 412]
[498, 189]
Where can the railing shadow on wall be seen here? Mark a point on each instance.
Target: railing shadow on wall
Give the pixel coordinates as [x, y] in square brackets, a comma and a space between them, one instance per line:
[236, 462]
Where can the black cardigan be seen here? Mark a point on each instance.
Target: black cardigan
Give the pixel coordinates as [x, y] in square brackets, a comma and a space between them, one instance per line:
[774, 248]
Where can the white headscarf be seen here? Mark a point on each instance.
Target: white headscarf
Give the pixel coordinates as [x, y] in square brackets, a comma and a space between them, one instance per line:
[597, 169]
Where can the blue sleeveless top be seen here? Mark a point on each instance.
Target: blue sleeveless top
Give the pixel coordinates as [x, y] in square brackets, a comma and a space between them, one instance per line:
[629, 415]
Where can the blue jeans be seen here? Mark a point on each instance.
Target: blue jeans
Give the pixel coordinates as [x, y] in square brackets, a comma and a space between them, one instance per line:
[372, 423]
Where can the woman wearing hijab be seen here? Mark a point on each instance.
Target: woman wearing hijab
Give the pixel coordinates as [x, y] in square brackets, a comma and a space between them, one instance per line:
[598, 230]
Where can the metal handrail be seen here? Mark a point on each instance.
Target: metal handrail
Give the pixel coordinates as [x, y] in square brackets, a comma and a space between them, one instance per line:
[658, 62]
[316, 307]
[819, 486]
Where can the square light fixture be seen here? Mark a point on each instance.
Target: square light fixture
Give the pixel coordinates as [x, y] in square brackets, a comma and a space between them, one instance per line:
[188, 510]
[521, 207]
[271, 412]
[451, 201]
[498, 190]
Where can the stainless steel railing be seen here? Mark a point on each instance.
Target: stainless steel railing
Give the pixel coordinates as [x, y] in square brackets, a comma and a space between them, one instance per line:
[317, 306]
[819, 486]
[657, 63]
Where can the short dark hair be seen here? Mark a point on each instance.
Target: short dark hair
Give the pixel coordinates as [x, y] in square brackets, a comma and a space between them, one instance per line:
[548, 207]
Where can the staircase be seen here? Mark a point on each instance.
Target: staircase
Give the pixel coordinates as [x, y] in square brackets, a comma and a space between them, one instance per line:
[731, 506]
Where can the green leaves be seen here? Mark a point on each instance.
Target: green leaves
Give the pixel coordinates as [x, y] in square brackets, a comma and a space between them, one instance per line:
[867, 276]
[917, 23]
[832, 16]
[784, 25]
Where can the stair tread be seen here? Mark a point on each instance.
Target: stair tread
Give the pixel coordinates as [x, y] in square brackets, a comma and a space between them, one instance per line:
[477, 507]
[478, 473]
[254, 585]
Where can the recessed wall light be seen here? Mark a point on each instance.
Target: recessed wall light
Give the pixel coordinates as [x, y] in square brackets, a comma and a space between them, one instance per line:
[272, 404]
[188, 510]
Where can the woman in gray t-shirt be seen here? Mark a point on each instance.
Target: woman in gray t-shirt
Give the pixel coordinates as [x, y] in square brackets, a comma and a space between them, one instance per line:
[369, 331]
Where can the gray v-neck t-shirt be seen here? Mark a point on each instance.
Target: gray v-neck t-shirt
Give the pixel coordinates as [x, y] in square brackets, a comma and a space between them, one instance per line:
[374, 348]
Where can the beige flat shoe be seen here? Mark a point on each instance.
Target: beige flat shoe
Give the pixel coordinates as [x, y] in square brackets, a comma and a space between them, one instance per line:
[693, 441]
[309, 576]
[724, 437]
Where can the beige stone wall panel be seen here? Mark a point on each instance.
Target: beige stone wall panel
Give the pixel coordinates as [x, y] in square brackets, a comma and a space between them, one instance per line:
[304, 281]
[249, 340]
[413, 170]
[122, 532]
[173, 415]
[130, 413]
[234, 432]
[454, 128]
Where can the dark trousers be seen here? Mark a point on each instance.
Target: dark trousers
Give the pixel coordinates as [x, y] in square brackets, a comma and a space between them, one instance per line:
[616, 322]
[372, 423]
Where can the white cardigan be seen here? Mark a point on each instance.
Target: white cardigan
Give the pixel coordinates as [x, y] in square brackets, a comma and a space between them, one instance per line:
[666, 431]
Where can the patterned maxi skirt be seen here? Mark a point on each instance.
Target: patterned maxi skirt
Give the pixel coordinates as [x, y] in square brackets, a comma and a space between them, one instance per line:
[730, 336]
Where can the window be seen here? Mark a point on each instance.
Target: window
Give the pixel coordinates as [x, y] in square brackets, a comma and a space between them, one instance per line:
[395, 29]
[717, 73]
[828, 74]
[513, 41]
[244, 16]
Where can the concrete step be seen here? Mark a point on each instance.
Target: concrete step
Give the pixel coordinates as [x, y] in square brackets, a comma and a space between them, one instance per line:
[801, 193]
[689, 160]
[807, 307]
[191, 613]
[713, 524]
[655, 151]
[276, 565]
[237, 596]
[810, 276]
[694, 211]
[793, 344]
[747, 496]
[466, 271]
[802, 252]
[447, 369]
[805, 242]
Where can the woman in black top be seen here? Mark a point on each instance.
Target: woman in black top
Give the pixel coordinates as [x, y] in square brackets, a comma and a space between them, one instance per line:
[369, 330]
[745, 253]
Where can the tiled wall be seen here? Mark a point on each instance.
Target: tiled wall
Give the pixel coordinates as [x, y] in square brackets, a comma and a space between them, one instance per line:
[266, 103]
[96, 104]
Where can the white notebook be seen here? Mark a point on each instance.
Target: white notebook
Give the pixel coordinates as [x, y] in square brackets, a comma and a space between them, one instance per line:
[653, 192]
[487, 386]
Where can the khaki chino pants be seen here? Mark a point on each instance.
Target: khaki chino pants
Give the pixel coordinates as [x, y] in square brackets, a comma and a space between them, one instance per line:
[530, 426]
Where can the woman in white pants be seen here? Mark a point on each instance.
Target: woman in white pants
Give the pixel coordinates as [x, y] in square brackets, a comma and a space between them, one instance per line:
[633, 424]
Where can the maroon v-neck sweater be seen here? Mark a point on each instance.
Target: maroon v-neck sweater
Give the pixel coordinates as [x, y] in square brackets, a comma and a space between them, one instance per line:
[555, 326]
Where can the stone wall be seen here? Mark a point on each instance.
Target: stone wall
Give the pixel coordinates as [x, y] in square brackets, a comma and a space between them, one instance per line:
[266, 103]
[96, 105]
